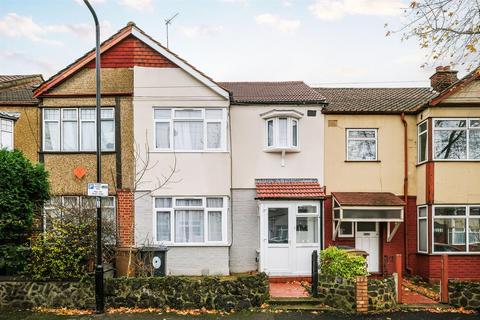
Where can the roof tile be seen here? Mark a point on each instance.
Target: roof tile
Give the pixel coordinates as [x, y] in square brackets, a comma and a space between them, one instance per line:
[367, 199]
[289, 189]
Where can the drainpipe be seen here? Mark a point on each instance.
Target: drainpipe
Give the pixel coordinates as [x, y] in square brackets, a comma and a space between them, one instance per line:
[405, 189]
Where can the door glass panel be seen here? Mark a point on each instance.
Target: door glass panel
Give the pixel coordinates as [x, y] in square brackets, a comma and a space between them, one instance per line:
[366, 226]
[278, 225]
[307, 229]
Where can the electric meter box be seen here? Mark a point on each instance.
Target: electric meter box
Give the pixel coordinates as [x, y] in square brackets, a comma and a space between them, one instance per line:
[155, 259]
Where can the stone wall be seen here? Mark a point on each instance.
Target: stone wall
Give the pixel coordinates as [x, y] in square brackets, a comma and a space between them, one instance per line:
[337, 292]
[464, 294]
[381, 294]
[162, 292]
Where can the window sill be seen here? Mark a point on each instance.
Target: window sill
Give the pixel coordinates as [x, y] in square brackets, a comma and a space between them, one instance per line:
[188, 151]
[213, 244]
[363, 161]
[279, 150]
[76, 152]
[454, 253]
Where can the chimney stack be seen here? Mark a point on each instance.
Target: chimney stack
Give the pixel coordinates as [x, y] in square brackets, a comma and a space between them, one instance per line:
[443, 78]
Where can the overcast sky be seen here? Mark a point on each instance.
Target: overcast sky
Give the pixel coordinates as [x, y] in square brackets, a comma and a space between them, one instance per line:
[322, 42]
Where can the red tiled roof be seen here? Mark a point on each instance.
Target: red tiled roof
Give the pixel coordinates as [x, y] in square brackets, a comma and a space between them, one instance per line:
[367, 199]
[289, 189]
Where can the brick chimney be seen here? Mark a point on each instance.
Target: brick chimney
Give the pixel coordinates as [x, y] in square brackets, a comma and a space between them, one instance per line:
[443, 78]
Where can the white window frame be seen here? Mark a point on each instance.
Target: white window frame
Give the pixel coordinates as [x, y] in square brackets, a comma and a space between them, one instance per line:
[79, 122]
[173, 118]
[340, 234]
[375, 130]
[276, 133]
[466, 217]
[418, 142]
[315, 214]
[418, 227]
[467, 129]
[2, 143]
[205, 210]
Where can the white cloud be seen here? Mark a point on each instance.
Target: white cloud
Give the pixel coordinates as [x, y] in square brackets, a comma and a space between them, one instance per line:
[276, 22]
[235, 1]
[15, 62]
[140, 5]
[194, 31]
[338, 9]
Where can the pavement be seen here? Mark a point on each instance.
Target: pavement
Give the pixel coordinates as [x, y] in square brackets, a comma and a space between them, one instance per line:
[247, 315]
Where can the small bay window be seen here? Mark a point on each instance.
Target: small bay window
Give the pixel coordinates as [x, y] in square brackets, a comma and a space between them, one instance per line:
[196, 220]
[282, 133]
[456, 139]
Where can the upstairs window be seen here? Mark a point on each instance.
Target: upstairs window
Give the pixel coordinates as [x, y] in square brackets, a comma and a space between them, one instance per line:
[422, 142]
[282, 133]
[361, 144]
[6, 134]
[72, 129]
[190, 129]
[456, 139]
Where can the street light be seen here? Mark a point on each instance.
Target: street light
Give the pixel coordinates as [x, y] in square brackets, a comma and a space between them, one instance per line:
[99, 297]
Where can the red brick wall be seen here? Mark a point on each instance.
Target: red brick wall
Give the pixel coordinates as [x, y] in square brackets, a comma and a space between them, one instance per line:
[132, 52]
[125, 218]
[459, 267]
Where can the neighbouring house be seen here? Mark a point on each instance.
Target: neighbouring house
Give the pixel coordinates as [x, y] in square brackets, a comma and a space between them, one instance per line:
[19, 116]
[402, 171]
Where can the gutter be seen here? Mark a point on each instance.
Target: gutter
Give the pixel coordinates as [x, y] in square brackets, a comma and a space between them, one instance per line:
[405, 189]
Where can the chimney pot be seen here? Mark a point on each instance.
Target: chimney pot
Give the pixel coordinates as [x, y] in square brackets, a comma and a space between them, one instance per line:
[443, 78]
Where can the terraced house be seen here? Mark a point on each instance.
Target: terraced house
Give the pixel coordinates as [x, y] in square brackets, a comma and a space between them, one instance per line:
[254, 176]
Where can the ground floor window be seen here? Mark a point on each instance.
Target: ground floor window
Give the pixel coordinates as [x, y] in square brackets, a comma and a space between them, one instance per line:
[422, 227]
[456, 229]
[190, 220]
[346, 227]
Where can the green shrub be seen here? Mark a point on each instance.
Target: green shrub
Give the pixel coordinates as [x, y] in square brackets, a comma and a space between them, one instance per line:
[23, 190]
[339, 263]
[13, 258]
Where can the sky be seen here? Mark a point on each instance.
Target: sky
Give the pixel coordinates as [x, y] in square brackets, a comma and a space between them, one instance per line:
[322, 42]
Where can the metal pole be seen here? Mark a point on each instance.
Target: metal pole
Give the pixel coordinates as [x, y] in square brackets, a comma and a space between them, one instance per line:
[99, 295]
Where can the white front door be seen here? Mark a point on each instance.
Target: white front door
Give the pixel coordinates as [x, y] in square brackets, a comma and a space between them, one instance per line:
[289, 234]
[367, 239]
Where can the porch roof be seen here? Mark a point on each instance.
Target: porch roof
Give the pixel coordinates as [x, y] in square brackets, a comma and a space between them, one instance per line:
[289, 189]
[368, 199]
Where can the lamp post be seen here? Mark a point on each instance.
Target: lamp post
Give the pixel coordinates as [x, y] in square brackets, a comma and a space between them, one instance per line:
[99, 297]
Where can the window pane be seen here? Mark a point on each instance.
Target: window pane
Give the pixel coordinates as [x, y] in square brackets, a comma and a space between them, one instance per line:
[162, 135]
[475, 211]
[362, 150]
[188, 113]
[372, 214]
[107, 113]
[189, 226]
[450, 123]
[450, 144]
[108, 135]
[294, 133]
[163, 226]
[474, 234]
[51, 136]
[366, 226]
[423, 235]
[214, 202]
[282, 132]
[307, 209]
[449, 235]
[422, 147]
[450, 211]
[89, 203]
[422, 212]
[51, 114]
[270, 133]
[70, 135]
[361, 133]
[108, 202]
[474, 144]
[215, 226]
[69, 114]
[163, 202]
[346, 228]
[277, 225]
[6, 140]
[422, 127]
[214, 113]
[189, 202]
[162, 113]
[188, 135]
[475, 123]
[307, 229]
[214, 130]
[88, 136]
[88, 114]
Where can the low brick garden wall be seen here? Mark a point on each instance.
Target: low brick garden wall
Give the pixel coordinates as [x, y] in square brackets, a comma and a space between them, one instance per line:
[464, 294]
[342, 294]
[162, 292]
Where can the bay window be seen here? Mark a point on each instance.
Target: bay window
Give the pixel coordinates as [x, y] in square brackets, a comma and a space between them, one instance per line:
[281, 133]
[422, 229]
[197, 220]
[456, 139]
[456, 229]
[6, 134]
[361, 144]
[422, 131]
[190, 129]
[74, 129]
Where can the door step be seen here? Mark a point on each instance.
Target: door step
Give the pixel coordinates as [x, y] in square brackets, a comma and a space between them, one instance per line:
[298, 304]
